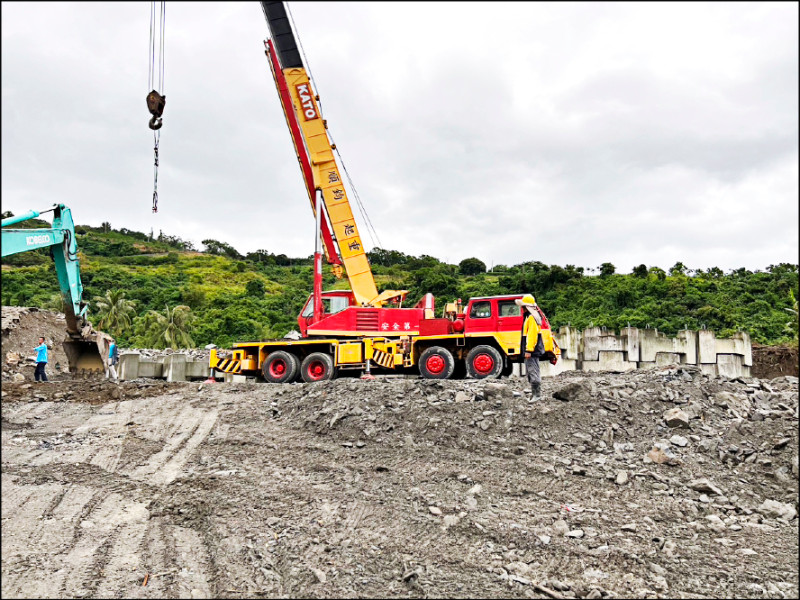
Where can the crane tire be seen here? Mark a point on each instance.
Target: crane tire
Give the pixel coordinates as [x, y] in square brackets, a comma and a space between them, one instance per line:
[280, 367]
[484, 362]
[317, 366]
[436, 363]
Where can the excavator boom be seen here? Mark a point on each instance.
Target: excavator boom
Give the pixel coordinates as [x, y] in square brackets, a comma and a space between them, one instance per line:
[81, 346]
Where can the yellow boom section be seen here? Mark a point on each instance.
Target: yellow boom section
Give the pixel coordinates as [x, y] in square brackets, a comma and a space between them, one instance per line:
[327, 178]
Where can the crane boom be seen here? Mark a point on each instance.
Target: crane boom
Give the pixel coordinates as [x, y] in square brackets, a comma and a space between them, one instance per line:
[331, 253]
[323, 168]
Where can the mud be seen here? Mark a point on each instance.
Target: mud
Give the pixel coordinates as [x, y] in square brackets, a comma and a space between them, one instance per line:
[402, 487]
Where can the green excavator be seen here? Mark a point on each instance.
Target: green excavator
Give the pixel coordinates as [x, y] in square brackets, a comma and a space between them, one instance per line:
[83, 345]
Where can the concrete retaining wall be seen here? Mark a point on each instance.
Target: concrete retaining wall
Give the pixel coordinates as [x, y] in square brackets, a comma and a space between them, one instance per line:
[598, 349]
[593, 349]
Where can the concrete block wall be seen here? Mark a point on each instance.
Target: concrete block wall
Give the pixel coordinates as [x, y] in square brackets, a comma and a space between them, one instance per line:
[597, 349]
[173, 367]
[593, 349]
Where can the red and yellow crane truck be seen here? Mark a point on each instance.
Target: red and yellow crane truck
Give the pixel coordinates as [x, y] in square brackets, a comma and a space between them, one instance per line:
[360, 329]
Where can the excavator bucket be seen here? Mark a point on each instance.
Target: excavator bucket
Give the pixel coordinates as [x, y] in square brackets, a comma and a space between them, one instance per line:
[84, 357]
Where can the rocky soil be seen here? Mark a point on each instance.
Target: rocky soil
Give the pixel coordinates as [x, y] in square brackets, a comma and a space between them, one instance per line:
[21, 328]
[775, 361]
[660, 483]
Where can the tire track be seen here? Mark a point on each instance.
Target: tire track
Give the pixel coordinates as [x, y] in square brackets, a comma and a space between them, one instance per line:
[106, 542]
[30, 539]
[14, 496]
[164, 466]
[190, 551]
[108, 457]
[156, 560]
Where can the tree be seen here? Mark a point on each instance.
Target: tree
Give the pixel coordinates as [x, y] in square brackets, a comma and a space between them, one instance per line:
[387, 258]
[607, 269]
[471, 266]
[260, 257]
[106, 226]
[422, 262]
[640, 271]
[439, 281]
[255, 288]
[678, 269]
[114, 312]
[170, 329]
[194, 297]
[56, 303]
[221, 248]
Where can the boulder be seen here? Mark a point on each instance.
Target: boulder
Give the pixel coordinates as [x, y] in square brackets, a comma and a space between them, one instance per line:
[579, 390]
[739, 403]
[675, 417]
[704, 485]
[777, 510]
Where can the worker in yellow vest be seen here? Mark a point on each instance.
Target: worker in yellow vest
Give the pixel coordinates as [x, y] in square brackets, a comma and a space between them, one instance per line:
[533, 345]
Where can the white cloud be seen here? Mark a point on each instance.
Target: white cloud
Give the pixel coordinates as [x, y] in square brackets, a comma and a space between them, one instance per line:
[568, 133]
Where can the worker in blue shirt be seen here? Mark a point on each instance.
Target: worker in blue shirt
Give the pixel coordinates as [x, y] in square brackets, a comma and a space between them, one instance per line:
[113, 359]
[41, 360]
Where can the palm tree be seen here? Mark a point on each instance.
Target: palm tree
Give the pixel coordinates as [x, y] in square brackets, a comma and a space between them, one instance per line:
[114, 311]
[170, 329]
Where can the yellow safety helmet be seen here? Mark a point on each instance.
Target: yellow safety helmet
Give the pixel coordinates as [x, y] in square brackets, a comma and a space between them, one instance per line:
[526, 300]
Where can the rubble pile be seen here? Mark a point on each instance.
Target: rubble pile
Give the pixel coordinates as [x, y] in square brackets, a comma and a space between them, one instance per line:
[663, 482]
[192, 354]
[21, 328]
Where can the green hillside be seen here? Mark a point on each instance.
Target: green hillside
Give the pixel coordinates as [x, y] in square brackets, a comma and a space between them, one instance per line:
[235, 297]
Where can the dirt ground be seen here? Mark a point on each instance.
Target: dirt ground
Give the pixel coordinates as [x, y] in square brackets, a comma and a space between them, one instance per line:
[775, 361]
[661, 483]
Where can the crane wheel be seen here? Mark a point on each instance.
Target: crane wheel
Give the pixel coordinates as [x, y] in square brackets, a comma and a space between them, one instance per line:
[317, 366]
[280, 367]
[436, 363]
[484, 362]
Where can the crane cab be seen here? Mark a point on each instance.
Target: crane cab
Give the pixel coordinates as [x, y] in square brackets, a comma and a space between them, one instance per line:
[333, 302]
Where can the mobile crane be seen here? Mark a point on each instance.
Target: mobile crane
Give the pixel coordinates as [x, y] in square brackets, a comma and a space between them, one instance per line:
[355, 329]
[81, 345]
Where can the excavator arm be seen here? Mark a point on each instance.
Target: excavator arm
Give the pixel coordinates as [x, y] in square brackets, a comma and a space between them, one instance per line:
[81, 347]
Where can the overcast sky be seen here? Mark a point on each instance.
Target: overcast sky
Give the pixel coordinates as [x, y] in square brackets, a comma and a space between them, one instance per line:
[566, 133]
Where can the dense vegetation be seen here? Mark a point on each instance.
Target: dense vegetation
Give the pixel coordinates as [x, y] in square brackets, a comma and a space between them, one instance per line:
[137, 283]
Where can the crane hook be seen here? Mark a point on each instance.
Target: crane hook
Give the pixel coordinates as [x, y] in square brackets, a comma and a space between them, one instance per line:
[155, 104]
